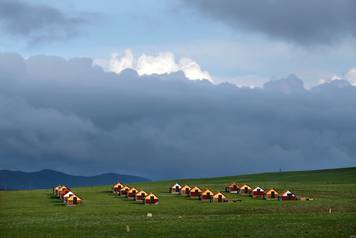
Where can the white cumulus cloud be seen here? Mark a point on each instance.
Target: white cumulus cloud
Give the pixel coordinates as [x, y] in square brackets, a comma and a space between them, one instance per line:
[351, 76]
[328, 79]
[162, 63]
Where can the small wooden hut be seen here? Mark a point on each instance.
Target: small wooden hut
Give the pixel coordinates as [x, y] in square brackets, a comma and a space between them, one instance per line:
[195, 192]
[288, 195]
[67, 195]
[232, 188]
[272, 194]
[175, 188]
[219, 197]
[63, 191]
[117, 187]
[151, 199]
[245, 190]
[185, 190]
[55, 190]
[123, 191]
[206, 195]
[258, 193]
[73, 200]
[131, 194]
[140, 196]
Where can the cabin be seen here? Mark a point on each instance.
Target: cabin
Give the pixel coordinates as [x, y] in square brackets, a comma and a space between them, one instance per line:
[232, 188]
[206, 195]
[67, 195]
[219, 197]
[55, 190]
[117, 187]
[140, 196]
[123, 191]
[272, 194]
[63, 191]
[185, 190]
[258, 193]
[131, 194]
[73, 200]
[288, 195]
[245, 190]
[175, 189]
[195, 192]
[151, 199]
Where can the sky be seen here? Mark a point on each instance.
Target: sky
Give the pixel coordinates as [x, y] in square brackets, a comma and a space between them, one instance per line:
[243, 43]
[177, 88]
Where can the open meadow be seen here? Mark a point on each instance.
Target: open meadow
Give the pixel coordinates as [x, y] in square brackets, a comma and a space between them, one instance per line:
[37, 213]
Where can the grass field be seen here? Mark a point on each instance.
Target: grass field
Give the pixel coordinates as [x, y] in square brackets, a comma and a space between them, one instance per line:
[37, 214]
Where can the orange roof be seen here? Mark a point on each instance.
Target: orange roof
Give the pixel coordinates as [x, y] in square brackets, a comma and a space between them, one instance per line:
[245, 185]
[124, 188]
[72, 197]
[175, 185]
[286, 191]
[258, 188]
[185, 187]
[272, 190]
[150, 195]
[140, 193]
[132, 189]
[207, 191]
[217, 195]
[196, 188]
[118, 184]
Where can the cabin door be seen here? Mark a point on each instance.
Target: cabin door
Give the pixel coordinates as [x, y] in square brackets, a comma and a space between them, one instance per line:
[273, 195]
[75, 201]
[152, 199]
[289, 196]
[219, 198]
[177, 189]
[246, 190]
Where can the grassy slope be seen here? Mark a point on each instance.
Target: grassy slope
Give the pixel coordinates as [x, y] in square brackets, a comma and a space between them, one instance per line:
[36, 213]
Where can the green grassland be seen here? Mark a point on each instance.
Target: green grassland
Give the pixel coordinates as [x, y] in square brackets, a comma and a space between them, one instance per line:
[37, 214]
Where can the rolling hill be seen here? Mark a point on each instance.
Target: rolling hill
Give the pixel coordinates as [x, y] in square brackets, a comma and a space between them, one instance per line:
[18, 180]
[332, 213]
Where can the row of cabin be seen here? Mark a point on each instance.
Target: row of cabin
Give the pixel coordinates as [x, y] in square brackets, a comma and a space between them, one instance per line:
[259, 193]
[196, 192]
[135, 194]
[66, 195]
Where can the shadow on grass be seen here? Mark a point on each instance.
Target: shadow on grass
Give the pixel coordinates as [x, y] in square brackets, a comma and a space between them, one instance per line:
[57, 202]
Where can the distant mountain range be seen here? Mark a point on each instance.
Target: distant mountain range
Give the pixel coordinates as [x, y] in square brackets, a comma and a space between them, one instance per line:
[18, 180]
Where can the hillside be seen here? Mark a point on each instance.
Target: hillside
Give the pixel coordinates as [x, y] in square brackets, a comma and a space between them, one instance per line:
[18, 180]
[103, 214]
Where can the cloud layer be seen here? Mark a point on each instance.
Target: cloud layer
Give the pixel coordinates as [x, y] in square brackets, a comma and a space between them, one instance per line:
[36, 22]
[163, 63]
[303, 22]
[73, 116]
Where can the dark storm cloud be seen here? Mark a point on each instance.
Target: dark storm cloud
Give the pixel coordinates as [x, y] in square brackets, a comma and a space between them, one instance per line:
[302, 21]
[36, 22]
[73, 116]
